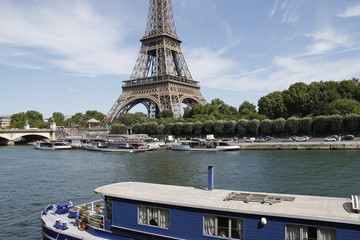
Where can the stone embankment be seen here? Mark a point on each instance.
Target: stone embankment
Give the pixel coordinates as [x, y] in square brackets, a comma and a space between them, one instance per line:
[310, 145]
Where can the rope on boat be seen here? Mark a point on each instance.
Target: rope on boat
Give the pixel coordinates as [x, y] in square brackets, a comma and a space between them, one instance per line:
[21, 220]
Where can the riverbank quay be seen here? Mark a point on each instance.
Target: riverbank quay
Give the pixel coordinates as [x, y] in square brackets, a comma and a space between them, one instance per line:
[343, 145]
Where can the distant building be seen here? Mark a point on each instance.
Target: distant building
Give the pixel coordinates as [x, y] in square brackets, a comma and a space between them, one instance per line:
[5, 121]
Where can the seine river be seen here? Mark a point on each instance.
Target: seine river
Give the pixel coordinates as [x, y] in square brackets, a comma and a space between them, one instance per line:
[32, 179]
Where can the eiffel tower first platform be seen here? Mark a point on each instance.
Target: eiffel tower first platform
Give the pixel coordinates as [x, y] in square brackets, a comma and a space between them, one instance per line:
[160, 79]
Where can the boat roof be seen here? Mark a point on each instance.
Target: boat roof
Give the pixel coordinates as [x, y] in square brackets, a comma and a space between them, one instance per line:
[328, 209]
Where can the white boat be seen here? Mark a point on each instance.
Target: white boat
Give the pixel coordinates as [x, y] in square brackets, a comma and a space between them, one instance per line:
[117, 147]
[50, 145]
[202, 145]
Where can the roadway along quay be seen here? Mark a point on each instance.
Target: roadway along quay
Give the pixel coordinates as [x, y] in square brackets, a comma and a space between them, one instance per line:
[313, 144]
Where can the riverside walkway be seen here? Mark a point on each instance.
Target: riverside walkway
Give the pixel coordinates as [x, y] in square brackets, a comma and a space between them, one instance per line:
[313, 144]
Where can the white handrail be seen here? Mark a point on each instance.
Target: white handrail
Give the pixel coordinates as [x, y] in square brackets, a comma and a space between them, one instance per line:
[355, 203]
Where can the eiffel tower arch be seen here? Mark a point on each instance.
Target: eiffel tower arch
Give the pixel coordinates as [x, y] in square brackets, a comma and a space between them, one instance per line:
[160, 79]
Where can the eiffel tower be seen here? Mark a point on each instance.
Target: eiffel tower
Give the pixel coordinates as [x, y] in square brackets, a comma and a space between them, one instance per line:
[160, 79]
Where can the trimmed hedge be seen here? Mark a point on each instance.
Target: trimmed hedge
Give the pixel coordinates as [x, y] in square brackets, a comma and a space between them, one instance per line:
[320, 126]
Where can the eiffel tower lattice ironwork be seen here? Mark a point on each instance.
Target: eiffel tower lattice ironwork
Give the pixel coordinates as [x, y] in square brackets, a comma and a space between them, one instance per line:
[160, 79]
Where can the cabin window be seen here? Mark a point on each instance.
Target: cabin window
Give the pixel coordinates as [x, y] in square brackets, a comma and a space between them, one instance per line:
[298, 232]
[223, 227]
[154, 216]
[108, 201]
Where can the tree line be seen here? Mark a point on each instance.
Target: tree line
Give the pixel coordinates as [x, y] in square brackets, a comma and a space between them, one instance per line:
[297, 110]
[320, 126]
[36, 119]
[314, 99]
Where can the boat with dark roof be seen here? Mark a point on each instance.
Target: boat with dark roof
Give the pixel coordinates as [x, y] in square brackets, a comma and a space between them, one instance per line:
[134, 210]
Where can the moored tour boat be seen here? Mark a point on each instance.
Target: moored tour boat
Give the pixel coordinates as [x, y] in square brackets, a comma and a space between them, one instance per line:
[203, 145]
[52, 145]
[117, 147]
[133, 210]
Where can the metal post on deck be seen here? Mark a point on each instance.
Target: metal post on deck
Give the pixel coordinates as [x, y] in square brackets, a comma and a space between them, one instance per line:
[210, 177]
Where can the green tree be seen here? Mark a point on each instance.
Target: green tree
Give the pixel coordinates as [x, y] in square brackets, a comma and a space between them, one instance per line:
[198, 128]
[151, 128]
[335, 124]
[246, 108]
[217, 109]
[304, 125]
[168, 128]
[219, 127]
[328, 91]
[291, 125]
[177, 129]
[118, 129]
[140, 117]
[59, 119]
[188, 129]
[208, 127]
[160, 129]
[241, 127]
[266, 127]
[229, 128]
[273, 105]
[78, 119]
[279, 126]
[297, 100]
[253, 127]
[320, 125]
[128, 119]
[347, 89]
[137, 128]
[18, 120]
[94, 114]
[351, 123]
[166, 114]
[343, 107]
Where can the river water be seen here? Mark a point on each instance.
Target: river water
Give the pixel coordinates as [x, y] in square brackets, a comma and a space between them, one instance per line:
[31, 179]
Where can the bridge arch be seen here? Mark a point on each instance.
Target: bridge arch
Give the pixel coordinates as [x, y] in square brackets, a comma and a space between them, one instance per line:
[25, 135]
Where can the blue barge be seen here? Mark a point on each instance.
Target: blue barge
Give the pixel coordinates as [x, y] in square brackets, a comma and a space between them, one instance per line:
[133, 210]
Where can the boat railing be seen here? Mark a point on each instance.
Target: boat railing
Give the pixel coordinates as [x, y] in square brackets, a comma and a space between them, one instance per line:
[94, 213]
[92, 205]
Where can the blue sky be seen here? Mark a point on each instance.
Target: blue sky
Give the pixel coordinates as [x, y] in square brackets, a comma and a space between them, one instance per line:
[72, 56]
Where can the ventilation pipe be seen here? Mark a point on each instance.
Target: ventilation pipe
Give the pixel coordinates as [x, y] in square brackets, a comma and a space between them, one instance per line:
[210, 177]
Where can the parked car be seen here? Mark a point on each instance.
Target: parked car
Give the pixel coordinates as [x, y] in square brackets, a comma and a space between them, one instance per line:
[347, 137]
[332, 138]
[269, 138]
[260, 139]
[301, 139]
[289, 139]
[252, 139]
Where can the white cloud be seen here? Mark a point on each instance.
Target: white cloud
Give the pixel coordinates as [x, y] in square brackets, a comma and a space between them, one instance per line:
[351, 11]
[66, 35]
[205, 63]
[214, 70]
[293, 70]
[326, 40]
[289, 10]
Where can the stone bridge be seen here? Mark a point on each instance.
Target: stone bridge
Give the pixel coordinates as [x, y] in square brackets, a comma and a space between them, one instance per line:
[9, 137]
